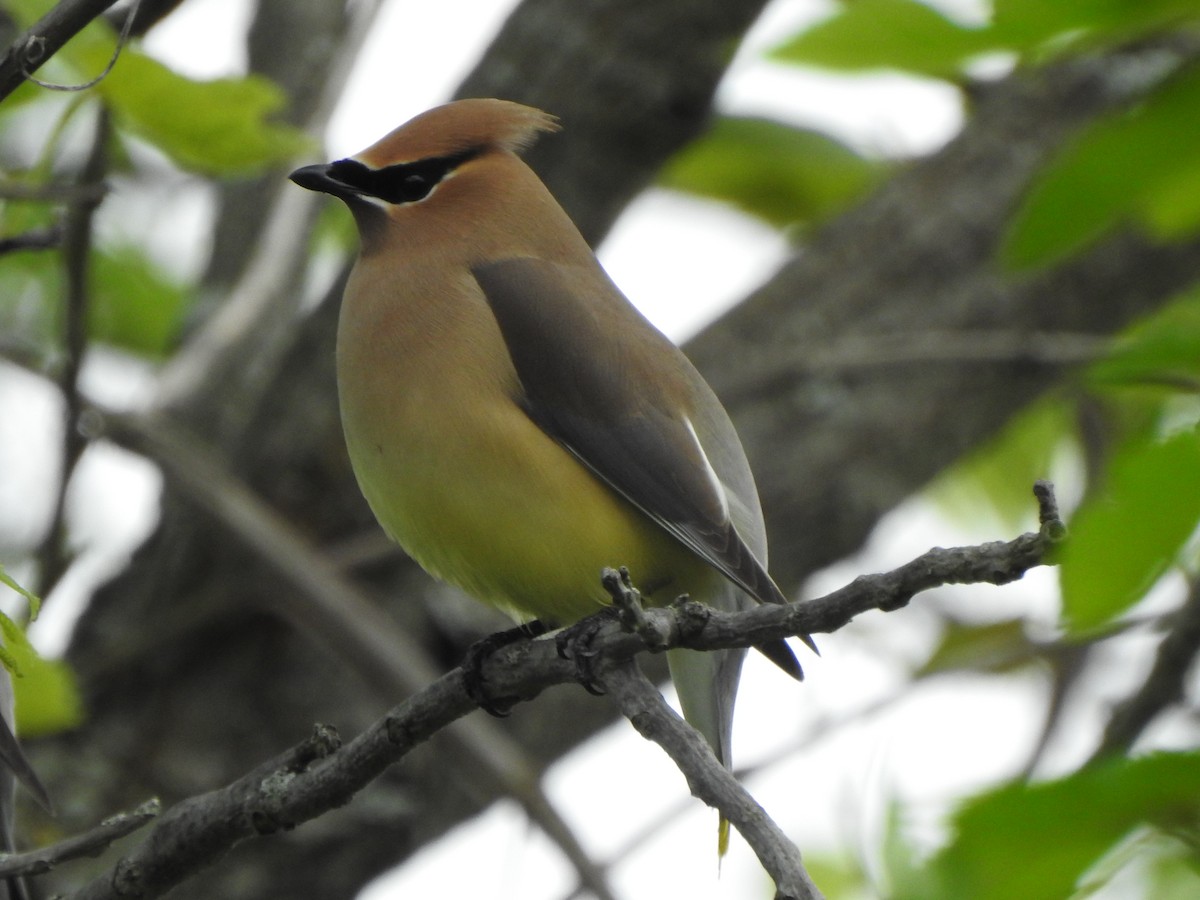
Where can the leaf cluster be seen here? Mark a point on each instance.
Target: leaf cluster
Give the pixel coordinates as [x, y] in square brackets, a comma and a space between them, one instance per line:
[164, 127]
[1126, 425]
[220, 129]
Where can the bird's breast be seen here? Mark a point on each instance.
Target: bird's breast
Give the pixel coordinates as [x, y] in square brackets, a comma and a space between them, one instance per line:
[461, 477]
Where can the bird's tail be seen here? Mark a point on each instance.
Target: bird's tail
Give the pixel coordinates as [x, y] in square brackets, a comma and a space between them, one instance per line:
[707, 687]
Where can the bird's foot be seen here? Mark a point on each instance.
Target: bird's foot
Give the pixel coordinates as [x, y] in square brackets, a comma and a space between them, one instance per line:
[575, 643]
[479, 652]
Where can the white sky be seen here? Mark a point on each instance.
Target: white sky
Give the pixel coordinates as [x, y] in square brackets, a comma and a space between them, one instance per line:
[951, 737]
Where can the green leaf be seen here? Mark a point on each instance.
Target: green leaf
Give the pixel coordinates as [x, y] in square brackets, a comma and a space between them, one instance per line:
[996, 648]
[1140, 167]
[26, 12]
[134, 305]
[10, 649]
[219, 127]
[887, 34]
[47, 697]
[1172, 206]
[1123, 539]
[18, 215]
[778, 173]
[15, 649]
[903, 876]
[840, 876]
[998, 477]
[1162, 350]
[1037, 841]
[30, 285]
[34, 601]
[1174, 870]
[911, 36]
[1027, 23]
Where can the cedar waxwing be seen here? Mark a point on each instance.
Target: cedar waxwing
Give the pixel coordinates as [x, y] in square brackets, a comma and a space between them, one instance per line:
[513, 421]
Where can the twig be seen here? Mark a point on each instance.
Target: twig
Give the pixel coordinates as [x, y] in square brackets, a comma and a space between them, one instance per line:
[708, 780]
[1048, 516]
[780, 369]
[1066, 662]
[145, 15]
[199, 830]
[52, 193]
[37, 239]
[122, 40]
[32, 49]
[53, 556]
[957, 346]
[823, 729]
[1163, 686]
[90, 843]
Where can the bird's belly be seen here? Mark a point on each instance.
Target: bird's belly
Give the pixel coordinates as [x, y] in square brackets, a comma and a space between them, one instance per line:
[493, 505]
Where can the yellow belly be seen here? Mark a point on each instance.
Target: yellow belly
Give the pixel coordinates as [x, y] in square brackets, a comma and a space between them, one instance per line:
[506, 514]
[460, 476]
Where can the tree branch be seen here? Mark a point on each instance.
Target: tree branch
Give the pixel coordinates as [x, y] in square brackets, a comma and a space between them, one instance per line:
[319, 775]
[32, 49]
[34, 239]
[54, 556]
[197, 831]
[708, 780]
[1164, 685]
[90, 843]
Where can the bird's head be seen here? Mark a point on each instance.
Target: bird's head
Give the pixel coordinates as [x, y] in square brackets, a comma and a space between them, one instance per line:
[410, 166]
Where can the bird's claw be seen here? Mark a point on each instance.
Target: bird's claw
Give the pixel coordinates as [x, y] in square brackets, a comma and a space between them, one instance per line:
[479, 652]
[575, 643]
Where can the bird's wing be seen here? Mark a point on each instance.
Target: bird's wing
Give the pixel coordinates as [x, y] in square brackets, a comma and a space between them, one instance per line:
[604, 383]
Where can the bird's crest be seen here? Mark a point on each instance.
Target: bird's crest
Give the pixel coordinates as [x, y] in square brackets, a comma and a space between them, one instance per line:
[461, 128]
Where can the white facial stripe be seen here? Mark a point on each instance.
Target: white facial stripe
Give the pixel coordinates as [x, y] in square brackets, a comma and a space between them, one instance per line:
[374, 201]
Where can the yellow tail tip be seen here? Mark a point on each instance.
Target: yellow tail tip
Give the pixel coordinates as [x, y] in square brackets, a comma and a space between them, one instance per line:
[722, 838]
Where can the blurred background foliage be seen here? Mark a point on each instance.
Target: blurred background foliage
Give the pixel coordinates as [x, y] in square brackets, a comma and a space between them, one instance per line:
[1133, 531]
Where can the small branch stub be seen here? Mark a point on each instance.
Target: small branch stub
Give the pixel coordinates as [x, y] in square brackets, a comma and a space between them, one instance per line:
[1052, 526]
[627, 600]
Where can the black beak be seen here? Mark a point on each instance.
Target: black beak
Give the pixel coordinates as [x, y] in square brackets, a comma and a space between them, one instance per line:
[317, 178]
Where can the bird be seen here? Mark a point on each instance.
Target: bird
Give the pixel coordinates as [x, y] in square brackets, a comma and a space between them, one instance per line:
[514, 422]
